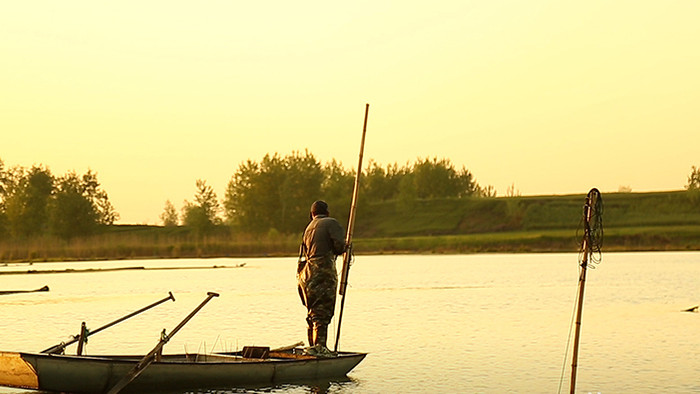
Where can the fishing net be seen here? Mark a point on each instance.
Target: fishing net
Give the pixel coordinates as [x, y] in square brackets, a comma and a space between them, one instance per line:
[592, 226]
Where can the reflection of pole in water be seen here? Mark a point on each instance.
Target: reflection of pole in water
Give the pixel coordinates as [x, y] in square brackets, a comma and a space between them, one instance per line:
[591, 243]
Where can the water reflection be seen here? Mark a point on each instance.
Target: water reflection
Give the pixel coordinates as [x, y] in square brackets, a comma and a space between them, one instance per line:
[338, 385]
[474, 323]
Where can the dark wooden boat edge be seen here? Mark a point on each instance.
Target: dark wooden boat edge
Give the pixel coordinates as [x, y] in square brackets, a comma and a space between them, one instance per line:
[96, 374]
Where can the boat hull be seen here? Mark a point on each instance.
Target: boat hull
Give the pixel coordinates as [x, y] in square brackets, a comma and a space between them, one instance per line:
[87, 374]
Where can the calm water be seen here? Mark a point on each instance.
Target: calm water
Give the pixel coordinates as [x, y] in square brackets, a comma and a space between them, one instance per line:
[465, 323]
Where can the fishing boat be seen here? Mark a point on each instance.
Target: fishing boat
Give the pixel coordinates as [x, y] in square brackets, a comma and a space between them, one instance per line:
[182, 372]
[53, 371]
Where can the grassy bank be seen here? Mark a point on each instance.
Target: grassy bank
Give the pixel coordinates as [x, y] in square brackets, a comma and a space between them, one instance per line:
[544, 241]
[632, 222]
[125, 246]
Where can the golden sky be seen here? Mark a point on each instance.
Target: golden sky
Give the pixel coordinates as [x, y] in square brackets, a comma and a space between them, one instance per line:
[550, 96]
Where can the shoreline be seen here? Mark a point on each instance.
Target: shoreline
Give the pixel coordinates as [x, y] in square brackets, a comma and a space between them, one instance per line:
[634, 222]
[500, 249]
[140, 268]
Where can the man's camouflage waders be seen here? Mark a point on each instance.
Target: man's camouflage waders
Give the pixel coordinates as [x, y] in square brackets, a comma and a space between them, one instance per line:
[317, 277]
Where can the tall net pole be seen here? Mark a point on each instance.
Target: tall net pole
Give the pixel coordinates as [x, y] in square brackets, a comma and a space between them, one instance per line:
[347, 256]
[592, 238]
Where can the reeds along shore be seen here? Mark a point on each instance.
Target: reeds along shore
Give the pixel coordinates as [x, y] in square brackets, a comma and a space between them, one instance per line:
[121, 246]
[125, 245]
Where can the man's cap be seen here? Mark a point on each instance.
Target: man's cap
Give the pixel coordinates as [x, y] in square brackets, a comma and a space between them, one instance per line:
[319, 207]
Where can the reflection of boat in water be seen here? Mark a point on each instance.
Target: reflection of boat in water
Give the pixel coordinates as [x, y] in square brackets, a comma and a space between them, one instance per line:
[97, 374]
[52, 370]
[4, 292]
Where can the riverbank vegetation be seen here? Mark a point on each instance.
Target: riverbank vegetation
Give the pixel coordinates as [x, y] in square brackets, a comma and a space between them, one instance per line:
[632, 222]
[426, 207]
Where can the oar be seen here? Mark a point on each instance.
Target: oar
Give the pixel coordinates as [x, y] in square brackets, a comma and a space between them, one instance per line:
[151, 356]
[61, 347]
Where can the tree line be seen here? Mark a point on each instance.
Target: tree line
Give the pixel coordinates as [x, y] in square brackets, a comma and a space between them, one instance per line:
[275, 193]
[270, 195]
[34, 202]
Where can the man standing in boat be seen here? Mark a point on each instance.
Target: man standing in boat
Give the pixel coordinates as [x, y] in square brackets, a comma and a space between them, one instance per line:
[317, 278]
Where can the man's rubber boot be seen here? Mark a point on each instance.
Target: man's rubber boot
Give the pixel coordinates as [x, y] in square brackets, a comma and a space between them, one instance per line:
[310, 333]
[320, 339]
[320, 335]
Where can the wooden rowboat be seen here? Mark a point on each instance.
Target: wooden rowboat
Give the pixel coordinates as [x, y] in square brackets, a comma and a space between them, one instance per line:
[97, 374]
[52, 370]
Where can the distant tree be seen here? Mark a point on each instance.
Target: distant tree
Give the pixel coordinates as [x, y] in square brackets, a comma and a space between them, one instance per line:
[79, 206]
[336, 190]
[207, 200]
[98, 197]
[239, 195]
[253, 194]
[302, 183]
[374, 185]
[26, 205]
[34, 202]
[169, 217]
[693, 179]
[194, 217]
[438, 178]
[381, 184]
[107, 214]
[273, 194]
[202, 214]
[71, 211]
[9, 180]
[466, 185]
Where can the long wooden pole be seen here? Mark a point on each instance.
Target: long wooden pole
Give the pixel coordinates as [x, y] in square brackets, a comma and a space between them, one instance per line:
[348, 238]
[591, 201]
[579, 312]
